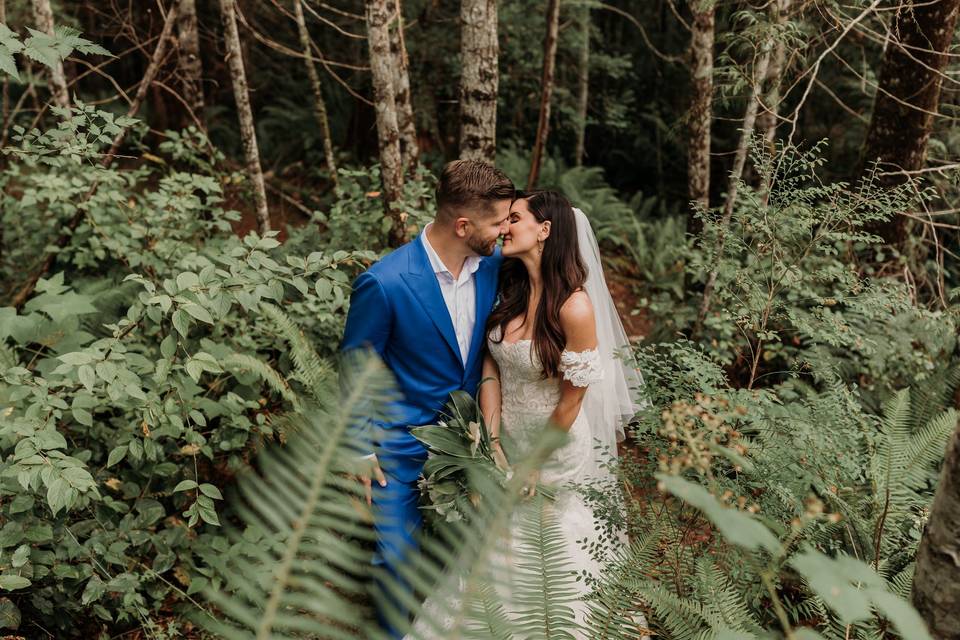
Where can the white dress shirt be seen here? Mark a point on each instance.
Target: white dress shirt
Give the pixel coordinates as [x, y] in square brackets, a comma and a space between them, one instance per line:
[459, 294]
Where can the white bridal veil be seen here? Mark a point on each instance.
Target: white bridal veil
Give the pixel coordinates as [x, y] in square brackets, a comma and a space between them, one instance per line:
[609, 404]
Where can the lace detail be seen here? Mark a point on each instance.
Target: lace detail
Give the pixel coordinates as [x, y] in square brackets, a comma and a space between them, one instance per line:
[582, 368]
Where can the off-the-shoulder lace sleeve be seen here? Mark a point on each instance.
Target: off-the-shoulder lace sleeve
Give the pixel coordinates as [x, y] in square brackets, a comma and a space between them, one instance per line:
[581, 368]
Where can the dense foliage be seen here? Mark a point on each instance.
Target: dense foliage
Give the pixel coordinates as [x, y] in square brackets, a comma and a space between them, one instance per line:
[776, 484]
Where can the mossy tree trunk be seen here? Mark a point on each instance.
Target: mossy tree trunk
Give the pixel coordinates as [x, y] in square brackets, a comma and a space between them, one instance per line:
[479, 52]
[701, 109]
[248, 132]
[546, 91]
[319, 105]
[406, 123]
[378, 16]
[43, 17]
[191, 67]
[908, 96]
[936, 580]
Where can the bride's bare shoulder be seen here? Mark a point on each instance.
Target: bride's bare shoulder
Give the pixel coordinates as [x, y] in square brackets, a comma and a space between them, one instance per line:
[577, 319]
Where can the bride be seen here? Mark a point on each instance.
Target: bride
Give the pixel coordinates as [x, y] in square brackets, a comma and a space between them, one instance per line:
[551, 363]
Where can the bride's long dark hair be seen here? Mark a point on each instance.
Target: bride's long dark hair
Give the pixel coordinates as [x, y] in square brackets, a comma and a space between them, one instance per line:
[561, 270]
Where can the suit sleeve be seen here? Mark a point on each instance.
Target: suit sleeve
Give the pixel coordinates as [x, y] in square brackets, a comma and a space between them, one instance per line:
[368, 326]
[370, 317]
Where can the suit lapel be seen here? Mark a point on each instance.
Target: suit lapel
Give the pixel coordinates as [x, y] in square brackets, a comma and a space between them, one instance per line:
[427, 292]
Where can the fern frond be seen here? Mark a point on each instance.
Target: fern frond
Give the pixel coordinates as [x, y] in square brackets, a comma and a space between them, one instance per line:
[542, 584]
[311, 369]
[242, 362]
[307, 569]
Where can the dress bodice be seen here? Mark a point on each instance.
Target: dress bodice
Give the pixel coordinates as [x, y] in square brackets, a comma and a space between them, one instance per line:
[528, 399]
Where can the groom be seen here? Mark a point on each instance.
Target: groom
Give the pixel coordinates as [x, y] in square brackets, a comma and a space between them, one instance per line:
[423, 309]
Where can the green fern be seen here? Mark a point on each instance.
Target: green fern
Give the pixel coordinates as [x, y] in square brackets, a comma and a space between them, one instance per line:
[542, 584]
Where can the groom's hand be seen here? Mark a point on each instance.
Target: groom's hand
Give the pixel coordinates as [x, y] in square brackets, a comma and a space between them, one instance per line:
[376, 472]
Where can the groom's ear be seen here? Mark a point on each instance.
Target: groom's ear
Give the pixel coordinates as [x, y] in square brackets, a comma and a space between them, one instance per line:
[461, 227]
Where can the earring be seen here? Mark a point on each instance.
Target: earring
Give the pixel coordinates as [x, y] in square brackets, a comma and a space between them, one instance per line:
[539, 247]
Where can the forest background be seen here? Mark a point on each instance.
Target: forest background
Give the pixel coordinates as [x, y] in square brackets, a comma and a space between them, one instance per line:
[189, 187]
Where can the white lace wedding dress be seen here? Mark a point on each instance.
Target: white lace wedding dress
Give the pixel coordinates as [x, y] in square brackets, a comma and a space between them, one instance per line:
[528, 400]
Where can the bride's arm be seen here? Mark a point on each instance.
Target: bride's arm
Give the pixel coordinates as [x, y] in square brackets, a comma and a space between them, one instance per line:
[489, 395]
[579, 326]
[490, 399]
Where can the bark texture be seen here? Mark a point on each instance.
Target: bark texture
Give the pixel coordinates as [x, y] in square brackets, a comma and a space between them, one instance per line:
[378, 17]
[479, 52]
[701, 104]
[319, 106]
[936, 579]
[546, 92]
[191, 67]
[583, 85]
[768, 117]
[406, 124]
[736, 173]
[248, 133]
[43, 17]
[908, 95]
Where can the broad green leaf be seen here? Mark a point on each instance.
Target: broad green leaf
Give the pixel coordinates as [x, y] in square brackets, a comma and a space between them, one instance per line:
[185, 485]
[168, 348]
[210, 490]
[116, 455]
[9, 582]
[181, 322]
[736, 526]
[94, 589]
[198, 312]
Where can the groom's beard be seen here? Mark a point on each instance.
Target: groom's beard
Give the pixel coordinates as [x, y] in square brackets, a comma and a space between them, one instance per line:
[479, 247]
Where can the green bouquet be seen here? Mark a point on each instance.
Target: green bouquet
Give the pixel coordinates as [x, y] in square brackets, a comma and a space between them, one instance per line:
[461, 460]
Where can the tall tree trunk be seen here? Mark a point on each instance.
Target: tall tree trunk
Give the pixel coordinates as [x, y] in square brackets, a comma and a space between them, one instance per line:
[908, 95]
[583, 85]
[5, 99]
[479, 52]
[248, 133]
[388, 131]
[409, 148]
[191, 67]
[767, 120]
[319, 106]
[701, 105]
[936, 579]
[546, 91]
[736, 173]
[43, 16]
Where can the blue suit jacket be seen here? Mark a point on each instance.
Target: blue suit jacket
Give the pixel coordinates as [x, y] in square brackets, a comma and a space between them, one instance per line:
[397, 309]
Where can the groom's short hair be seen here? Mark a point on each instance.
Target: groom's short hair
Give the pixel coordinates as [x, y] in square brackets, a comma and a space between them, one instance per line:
[469, 187]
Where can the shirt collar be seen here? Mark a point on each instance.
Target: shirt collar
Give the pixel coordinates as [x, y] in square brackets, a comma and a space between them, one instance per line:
[470, 265]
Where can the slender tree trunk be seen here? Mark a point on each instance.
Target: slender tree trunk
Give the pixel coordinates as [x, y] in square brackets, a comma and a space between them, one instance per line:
[191, 67]
[43, 16]
[248, 133]
[767, 120]
[701, 106]
[5, 99]
[583, 85]
[549, 65]
[479, 52]
[409, 148]
[936, 579]
[388, 131]
[908, 95]
[145, 83]
[736, 173]
[319, 106]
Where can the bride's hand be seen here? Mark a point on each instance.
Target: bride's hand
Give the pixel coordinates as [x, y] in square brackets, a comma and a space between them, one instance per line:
[530, 487]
